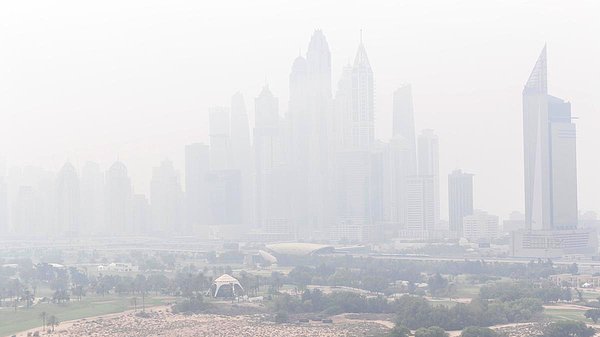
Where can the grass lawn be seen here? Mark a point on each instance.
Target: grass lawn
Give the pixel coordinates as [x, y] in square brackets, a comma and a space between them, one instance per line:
[12, 322]
[562, 314]
[466, 290]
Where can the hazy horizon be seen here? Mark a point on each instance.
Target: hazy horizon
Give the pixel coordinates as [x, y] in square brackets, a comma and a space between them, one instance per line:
[134, 81]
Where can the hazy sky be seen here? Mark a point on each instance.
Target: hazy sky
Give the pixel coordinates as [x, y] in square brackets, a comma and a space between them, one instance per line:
[101, 80]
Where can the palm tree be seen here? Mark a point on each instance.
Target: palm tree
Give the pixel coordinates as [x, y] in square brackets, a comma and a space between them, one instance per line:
[53, 321]
[43, 316]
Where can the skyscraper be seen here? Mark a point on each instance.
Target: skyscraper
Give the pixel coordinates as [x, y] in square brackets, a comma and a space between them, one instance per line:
[268, 151]
[353, 161]
[197, 166]
[318, 60]
[141, 214]
[403, 123]
[220, 145]
[428, 165]
[420, 206]
[118, 194]
[225, 197]
[68, 217]
[396, 169]
[241, 154]
[550, 155]
[460, 199]
[362, 119]
[166, 199]
[309, 121]
[92, 198]
[550, 175]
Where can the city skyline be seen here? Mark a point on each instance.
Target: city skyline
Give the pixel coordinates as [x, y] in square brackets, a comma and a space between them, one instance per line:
[142, 152]
[314, 169]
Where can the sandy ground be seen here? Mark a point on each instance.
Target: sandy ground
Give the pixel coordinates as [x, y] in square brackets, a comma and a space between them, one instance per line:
[69, 324]
[160, 322]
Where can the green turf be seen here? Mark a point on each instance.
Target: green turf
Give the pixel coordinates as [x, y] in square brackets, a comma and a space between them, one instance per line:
[566, 314]
[23, 319]
[466, 291]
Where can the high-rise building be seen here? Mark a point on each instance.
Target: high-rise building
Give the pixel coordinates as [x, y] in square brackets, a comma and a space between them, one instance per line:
[550, 155]
[342, 131]
[397, 169]
[358, 196]
[362, 118]
[239, 134]
[220, 144]
[403, 123]
[241, 154]
[428, 165]
[118, 194]
[197, 167]
[141, 214]
[421, 206]
[92, 198]
[550, 175]
[32, 201]
[225, 197]
[166, 199]
[309, 146]
[460, 199]
[480, 226]
[68, 201]
[353, 187]
[268, 152]
[318, 60]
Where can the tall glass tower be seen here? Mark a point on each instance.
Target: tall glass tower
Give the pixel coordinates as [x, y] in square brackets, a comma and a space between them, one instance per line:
[550, 155]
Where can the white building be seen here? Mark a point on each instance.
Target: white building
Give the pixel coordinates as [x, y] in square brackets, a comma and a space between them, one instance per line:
[421, 204]
[428, 165]
[460, 199]
[480, 226]
[550, 155]
[549, 144]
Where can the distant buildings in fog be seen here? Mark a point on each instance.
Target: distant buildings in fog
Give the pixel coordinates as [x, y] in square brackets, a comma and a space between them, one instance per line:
[480, 226]
[460, 199]
[314, 172]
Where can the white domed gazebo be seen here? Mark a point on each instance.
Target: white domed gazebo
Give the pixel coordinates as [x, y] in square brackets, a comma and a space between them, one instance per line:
[226, 286]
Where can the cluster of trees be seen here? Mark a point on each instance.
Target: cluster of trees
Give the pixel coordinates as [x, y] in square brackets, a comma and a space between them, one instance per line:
[379, 275]
[415, 312]
[411, 270]
[330, 304]
[193, 304]
[568, 329]
[436, 331]
[510, 291]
